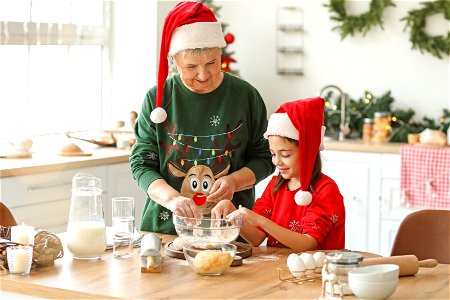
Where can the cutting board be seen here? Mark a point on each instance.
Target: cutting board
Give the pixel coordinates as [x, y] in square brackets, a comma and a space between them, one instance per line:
[16, 154]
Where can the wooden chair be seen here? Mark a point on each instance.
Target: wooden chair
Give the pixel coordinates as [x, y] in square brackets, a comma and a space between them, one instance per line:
[426, 234]
[6, 217]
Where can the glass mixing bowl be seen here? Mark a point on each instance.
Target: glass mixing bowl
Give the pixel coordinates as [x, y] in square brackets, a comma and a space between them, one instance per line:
[207, 230]
[209, 258]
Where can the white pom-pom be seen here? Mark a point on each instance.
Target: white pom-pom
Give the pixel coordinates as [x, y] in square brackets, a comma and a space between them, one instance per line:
[158, 115]
[303, 198]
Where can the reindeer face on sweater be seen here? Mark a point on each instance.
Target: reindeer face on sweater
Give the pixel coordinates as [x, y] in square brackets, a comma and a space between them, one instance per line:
[197, 183]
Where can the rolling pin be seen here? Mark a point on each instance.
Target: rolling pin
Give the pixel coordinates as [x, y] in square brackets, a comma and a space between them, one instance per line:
[409, 264]
[151, 258]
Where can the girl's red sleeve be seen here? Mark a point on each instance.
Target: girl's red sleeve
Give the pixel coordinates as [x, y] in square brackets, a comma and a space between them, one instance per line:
[264, 205]
[325, 217]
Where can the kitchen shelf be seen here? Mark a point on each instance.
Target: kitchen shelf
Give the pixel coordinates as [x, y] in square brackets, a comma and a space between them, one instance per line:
[290, 48]
[290, 72]
[289, 28]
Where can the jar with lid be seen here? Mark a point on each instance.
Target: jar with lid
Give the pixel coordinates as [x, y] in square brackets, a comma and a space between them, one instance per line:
[367, 130]
[381, 126]
[340, 263]
[86, 230]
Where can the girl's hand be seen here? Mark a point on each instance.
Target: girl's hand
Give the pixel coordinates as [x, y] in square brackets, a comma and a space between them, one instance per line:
[249, 216]
[223, 188]
[184, 207]
[222, 209]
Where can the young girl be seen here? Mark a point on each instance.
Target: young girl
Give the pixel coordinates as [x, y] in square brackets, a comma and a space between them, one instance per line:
[301, 208]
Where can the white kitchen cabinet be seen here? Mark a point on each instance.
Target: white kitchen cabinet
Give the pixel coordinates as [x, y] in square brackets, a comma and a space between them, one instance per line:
[392, 210]
[43, 199]
[370, 184]
[121, 184]
[357, 175]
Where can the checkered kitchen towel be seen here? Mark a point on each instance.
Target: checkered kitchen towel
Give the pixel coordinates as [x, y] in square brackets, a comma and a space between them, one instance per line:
[425, 177]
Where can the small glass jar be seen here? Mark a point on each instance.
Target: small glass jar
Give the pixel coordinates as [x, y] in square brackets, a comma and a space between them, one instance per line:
[381, 126]
[341, 263]
[367, 130]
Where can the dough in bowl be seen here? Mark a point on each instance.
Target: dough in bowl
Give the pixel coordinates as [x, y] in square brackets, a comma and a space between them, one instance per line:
[212, 262]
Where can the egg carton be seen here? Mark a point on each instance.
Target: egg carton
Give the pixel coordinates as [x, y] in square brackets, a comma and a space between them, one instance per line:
[308, 276]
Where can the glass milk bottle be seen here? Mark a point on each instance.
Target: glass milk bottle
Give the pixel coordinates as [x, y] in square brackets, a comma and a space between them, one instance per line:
[86, 231]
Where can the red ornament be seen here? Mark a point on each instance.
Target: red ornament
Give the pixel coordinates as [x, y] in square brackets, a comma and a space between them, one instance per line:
[226, 63]
[229, 38]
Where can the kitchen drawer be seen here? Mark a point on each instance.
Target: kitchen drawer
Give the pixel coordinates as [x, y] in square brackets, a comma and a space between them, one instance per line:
[51, 215]
[31, 189]
[43, 200]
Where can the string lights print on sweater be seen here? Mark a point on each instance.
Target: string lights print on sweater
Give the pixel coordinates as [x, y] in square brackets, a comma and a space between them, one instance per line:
[187, 142]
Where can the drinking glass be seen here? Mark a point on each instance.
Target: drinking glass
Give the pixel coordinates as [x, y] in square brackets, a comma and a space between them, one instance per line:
[123, 226]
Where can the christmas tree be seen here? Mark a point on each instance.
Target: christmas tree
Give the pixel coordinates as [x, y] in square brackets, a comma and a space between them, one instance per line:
[227, 56]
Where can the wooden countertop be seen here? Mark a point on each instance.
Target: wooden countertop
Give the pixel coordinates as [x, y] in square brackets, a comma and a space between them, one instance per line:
[360, 146]
[41, 162]
[257, 278]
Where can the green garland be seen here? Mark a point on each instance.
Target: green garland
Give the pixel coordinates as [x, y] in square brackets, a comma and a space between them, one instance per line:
[365, 107]
[416, 21]
[361, 23]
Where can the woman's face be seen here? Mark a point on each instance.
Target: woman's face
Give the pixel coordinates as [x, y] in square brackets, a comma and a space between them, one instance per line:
[200, 71]
[284, 156]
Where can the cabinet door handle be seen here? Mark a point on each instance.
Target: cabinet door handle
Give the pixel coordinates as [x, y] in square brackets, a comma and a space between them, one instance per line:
[43, 187]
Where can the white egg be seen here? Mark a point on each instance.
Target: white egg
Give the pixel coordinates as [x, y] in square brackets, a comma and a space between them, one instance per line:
[295, 265]
[319, 257]
[308, 260]
[291, 258]
[178, 243]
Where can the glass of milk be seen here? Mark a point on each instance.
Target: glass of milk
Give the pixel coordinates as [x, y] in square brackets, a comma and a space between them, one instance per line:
[86, 230]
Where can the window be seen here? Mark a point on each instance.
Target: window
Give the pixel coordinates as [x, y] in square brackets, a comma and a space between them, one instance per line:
[54, 59]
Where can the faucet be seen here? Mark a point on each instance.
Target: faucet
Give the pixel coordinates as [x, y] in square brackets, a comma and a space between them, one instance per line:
[343, 124]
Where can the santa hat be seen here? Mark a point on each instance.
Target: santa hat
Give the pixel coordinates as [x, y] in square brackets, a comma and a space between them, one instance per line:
[301, 120]
[189, 25]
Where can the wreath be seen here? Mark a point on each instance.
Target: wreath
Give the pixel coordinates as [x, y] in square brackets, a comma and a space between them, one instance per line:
[361, 23]
[416, 21]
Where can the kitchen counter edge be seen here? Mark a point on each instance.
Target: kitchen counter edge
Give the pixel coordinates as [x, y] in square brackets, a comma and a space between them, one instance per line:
[41, 163]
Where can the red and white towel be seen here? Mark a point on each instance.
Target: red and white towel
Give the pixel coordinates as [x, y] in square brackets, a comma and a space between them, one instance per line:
[425, 177]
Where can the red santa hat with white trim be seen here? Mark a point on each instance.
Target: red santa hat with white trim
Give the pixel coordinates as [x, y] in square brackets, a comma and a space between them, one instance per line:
[301, 120]
[189, 25]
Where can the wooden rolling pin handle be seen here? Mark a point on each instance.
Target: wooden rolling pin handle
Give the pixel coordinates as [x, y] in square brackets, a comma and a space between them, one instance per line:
[428, 263]
[409, 264]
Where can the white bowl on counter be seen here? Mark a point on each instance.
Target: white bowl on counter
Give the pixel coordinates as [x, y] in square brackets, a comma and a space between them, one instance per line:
[374, 282]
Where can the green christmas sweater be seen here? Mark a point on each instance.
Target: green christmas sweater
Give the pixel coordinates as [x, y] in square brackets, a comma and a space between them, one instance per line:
[204, 137]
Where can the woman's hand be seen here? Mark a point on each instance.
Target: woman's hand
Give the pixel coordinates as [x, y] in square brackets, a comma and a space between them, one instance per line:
[249, 216]
[184, 207]
[223, 188]
[222, 209]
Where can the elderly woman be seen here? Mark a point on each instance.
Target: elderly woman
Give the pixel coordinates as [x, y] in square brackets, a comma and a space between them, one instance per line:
[204, 142]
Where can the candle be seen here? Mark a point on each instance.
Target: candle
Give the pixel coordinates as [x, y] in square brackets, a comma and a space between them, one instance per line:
[22, 234]
[19, 259]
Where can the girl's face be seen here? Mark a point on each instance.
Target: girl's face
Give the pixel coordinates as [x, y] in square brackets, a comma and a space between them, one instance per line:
[200, 71]
[285, 157]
